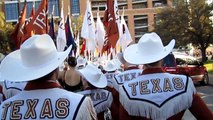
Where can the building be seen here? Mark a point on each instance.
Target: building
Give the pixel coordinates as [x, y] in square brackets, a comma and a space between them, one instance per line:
[139, 14]
[12, 8]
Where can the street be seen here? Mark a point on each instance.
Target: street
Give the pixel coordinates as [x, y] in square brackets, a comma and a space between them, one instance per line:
[206, 93]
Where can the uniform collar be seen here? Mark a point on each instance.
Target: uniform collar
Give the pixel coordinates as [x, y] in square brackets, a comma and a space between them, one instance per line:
[131, 68]
[34, 85]
[152, 70]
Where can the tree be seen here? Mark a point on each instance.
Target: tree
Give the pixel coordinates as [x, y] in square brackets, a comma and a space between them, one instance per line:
[6, 44]
[187, 22]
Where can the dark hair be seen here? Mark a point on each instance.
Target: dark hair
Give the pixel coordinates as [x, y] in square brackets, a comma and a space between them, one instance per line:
[72, 61]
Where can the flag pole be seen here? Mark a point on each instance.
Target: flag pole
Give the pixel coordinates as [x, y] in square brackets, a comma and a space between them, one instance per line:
[53, 10]
[34, 5]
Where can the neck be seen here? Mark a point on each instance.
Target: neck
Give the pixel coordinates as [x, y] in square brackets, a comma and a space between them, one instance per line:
[157, 64]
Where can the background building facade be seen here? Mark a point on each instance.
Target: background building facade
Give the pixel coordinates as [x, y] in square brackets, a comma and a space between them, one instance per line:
[139, 14]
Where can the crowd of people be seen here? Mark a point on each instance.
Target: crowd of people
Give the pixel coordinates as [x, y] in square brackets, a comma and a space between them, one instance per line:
[38, 82]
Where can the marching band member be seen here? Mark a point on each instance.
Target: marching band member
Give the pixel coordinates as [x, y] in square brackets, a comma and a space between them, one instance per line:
[126, 65]
[130, 72]
[94, 82]
[37, 62]
[110, 71]
[11, 88]
[155, 94]
[72, 79]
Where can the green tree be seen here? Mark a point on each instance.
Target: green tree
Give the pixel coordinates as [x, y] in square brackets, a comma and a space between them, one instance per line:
[187, 22]
[77, 23]
[6, 45]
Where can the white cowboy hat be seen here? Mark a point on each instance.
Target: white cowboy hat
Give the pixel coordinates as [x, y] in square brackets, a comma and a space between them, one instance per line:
[36, 58]
[81, 61]
[110, 66]
[94, 76]
[117, 62]
[149, 49]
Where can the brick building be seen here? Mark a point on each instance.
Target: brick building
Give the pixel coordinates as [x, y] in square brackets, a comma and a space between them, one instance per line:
[139, 14]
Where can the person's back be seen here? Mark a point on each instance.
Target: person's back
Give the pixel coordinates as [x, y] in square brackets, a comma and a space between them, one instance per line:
[46, 102]
[36, 62]
[155, 94]
[101, 98]
[72, 80]
[95, 82]
[11, 88]
[130, 72]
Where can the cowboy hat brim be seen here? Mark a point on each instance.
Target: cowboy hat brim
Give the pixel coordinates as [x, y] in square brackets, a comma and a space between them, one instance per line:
[132, 54]
[13, 63]
[110, 69]
[99, 83]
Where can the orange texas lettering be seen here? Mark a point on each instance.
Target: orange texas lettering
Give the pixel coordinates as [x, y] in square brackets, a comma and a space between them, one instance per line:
[33, 111]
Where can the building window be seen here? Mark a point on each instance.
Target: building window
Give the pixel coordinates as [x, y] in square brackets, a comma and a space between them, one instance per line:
[101, 5]
[11, 11]
[50, 7]
[122, 4]
[29, 7]
[159, 3]
[141, 26]
[138, 4]
[12, 8]
[75, 7]
[126, 20]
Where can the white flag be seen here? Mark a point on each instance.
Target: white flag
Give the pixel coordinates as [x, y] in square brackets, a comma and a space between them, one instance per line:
[100, 33]
[125, 36]
[88, 29]
[61, 37]
[78, 45]
[118, 21]
[116, 12]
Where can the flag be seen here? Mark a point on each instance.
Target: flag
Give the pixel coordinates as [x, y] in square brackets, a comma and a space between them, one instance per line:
[61, 37]
[77, 42]
[88, 29]
[52, 28]
[69, 36]
[125, 36]
[116, 12]
[112, 33]
[100, 33]
[19, 28]
[38, 24]
[28, 31]
[83, 48]
[32, 14]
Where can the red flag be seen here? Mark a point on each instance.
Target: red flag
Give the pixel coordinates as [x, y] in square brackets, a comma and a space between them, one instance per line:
[27, 30]
[83, 47]
[32, 14]
[39, 23]
[112, 33]
[19, 28]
